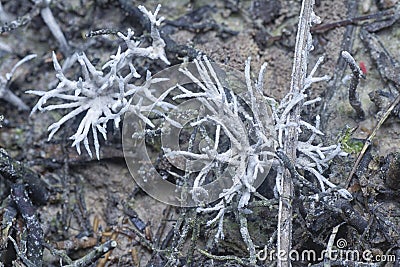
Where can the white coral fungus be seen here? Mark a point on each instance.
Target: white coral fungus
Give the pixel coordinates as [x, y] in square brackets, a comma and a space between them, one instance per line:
[103, 94]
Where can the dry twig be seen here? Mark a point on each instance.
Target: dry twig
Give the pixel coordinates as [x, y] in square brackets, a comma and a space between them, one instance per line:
[371, 137]
[94, 255]
[34, 248]
[299, 73]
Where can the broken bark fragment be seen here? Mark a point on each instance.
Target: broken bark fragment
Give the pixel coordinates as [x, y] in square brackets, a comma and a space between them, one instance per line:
[393, 174]
[34, 248]
[13, 171]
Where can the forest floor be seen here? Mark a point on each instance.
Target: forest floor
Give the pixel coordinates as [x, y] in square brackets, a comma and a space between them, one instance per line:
[92, 201]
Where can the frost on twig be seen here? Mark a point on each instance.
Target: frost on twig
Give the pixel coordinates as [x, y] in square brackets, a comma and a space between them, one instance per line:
[104, 95]
[5, 92]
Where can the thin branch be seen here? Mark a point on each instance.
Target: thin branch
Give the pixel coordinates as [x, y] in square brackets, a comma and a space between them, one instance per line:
[21, 255]
[223, 258]
[94, 255]
[34, 248]
[299, 73]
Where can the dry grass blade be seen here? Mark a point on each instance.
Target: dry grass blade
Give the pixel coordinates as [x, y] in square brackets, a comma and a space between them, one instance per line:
[371, 137]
